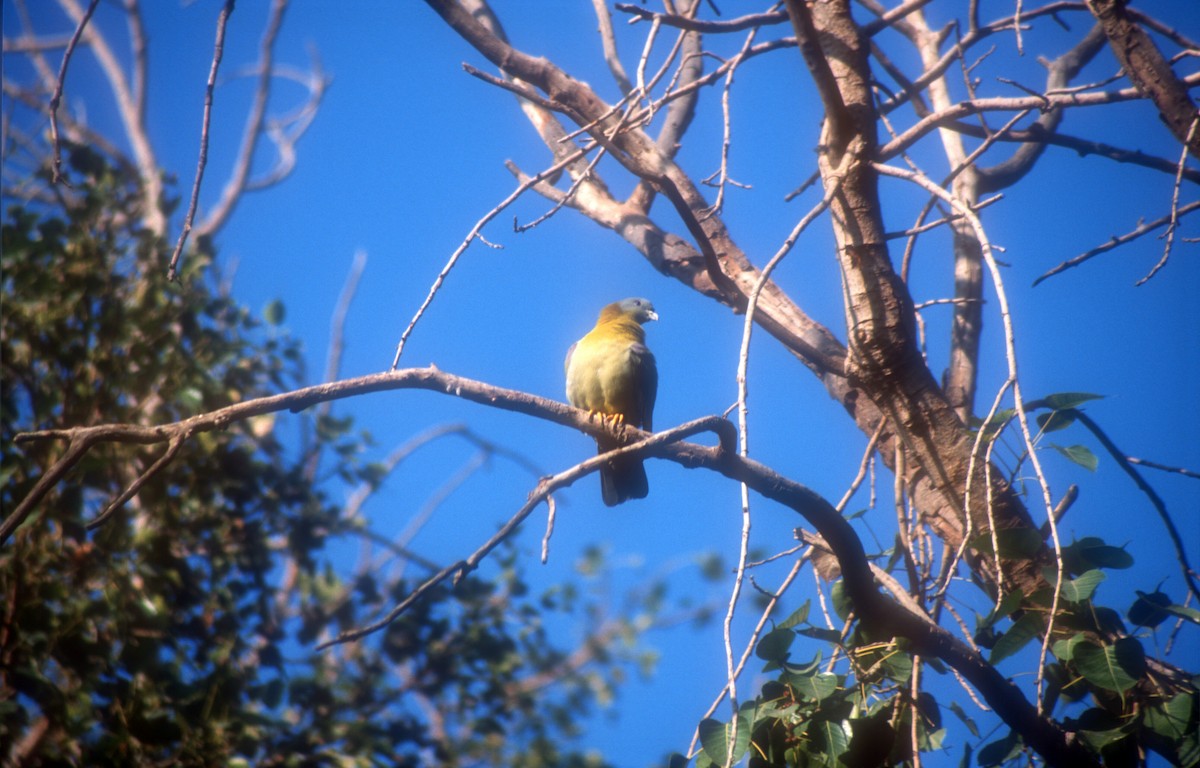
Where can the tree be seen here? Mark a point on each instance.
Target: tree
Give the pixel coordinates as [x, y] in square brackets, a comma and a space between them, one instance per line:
[175, 623]
[974, 528]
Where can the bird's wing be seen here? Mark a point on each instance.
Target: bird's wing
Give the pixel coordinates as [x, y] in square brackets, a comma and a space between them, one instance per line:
[646, 376]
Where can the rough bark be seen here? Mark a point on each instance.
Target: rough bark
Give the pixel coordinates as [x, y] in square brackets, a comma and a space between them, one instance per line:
[1149, 71]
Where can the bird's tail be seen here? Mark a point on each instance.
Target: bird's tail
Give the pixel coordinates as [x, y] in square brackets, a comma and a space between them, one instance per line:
[622, 479]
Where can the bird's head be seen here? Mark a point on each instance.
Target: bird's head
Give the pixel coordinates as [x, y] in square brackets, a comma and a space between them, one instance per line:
[639, 310]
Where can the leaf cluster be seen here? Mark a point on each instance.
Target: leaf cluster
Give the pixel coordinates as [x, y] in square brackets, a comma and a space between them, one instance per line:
[181, 631]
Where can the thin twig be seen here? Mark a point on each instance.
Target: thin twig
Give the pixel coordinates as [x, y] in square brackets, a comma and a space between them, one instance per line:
[700, 25]
[609, 42]
[58, 89]
[547, 485]
[644, 59]
[868, 454]
[236, 186]
[337, 323]
[435, 502]
[768, 609]
[948, 117]
[551, 514]
[1159, 505]
[472, 235]
[218, 51]
[1116, 240]
[1174, 216]
[1018, 400]
[356, 499]
[565, 197]
[744, 447]
[1163, 467]
[952, 301]
[172, 449]
[722, 173]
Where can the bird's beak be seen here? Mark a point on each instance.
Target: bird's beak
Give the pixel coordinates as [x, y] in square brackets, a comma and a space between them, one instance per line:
[651, 315]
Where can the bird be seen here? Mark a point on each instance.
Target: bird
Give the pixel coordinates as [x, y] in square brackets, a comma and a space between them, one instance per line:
[611, 372]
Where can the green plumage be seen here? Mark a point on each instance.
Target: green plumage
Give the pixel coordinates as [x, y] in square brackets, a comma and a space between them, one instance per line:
[611, 371]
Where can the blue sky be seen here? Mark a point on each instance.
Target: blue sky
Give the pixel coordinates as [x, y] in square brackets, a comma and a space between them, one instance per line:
[407, 154]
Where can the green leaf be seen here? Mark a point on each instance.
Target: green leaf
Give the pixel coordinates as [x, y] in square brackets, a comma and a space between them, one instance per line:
[1008, 604]
[1063, 400]
[714, 738]
[776, 701]
[1172, 719]
[1091, 552]
[813, 687]
[811, 668]
[799, 616]
[1152, 609]
[190, 398]
[965, 762]
[1079, 454]
[1000, 751]
[273, 693]
[898, 667]
[833, 736]
[1100, 729]
[274, 312]
[1024, 629]
[1064, 650]
[821, 633]
[961, 714]
[1078, 589]
[1055, 420]
[1115, 667]
[1184, 612]
[774, 645]
[1149, 610]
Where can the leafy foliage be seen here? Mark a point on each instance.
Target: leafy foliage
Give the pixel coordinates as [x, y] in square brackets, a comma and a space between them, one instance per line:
[181, 631]
[858, 707]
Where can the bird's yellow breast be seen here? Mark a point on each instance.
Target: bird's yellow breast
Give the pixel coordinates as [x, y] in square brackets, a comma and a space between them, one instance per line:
[603, 371]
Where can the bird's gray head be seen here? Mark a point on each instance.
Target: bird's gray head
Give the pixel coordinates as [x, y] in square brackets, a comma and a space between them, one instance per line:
[640, 310]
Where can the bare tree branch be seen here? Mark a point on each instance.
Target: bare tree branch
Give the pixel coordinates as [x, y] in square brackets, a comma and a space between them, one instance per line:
[1117, 240]
[1149, 71]
[1164, 467]
[471, 236]
[1189, 574]
[1173, 217]
[131, 108]
[978, 106]
[873, 608]
[58, 88]
[218, 51]
[750, 21]
[236, 185]
[609, 41]
[1061, 71]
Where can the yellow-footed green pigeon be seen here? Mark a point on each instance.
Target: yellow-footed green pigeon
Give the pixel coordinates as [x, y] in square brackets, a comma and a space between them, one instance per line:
[610, 371]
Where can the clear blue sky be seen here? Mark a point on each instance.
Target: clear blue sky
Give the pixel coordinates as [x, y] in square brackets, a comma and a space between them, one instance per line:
[407, 153]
